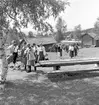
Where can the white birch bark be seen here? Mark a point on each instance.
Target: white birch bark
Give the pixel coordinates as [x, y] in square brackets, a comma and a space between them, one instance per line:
[3, 60]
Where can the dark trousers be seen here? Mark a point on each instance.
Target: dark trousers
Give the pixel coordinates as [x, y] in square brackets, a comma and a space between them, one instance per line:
[71, 54]
[75, 52]
[15, 55]
[41, 56]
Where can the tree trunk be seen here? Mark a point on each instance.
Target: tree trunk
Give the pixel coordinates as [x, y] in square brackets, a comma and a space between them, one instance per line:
[3, 61]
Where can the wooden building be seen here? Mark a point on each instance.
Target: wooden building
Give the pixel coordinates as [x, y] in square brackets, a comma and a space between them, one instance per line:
[90, 39]
[46, 41]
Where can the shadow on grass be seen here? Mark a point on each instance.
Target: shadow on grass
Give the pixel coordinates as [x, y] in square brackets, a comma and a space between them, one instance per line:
[20, 92]
[72, 75]
[25, 92]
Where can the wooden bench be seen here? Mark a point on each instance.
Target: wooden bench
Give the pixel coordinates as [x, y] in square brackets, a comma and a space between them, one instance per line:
[56, 64]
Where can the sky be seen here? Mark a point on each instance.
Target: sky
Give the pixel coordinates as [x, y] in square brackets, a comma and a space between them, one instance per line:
[84, 12]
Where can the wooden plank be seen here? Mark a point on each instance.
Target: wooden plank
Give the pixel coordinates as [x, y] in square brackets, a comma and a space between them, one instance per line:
[67, 63]
[62, 72]
[63, 60]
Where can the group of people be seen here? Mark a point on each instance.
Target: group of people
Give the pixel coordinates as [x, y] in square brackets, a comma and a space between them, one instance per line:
[72, 49]
[28, 54]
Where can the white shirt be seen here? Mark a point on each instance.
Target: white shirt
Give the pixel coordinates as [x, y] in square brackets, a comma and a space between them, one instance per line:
[34, 48]
[71, 48]
[41, 48]
[15, 48]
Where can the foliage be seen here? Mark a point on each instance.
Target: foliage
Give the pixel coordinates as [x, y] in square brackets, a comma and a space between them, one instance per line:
[59, 36]
[22, 35]
[77, 32]
[96, 25]
[61, 25]
[45, 29]
[61, 28]
[23, 12]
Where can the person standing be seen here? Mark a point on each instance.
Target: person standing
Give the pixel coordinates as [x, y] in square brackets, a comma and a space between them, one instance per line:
[36, 53]
[59, 52]
[71, 51]
[23, 55]
[75, 50]
[30, 57]
[42, 52]
[15, 54]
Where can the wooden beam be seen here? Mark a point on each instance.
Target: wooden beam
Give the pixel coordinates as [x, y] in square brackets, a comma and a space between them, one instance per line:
[67, 63]
[69, 73]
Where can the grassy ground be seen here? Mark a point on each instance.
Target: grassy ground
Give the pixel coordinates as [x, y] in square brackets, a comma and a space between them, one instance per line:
[41, 89]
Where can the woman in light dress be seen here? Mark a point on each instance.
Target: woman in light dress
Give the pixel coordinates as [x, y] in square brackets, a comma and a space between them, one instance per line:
[30, 57]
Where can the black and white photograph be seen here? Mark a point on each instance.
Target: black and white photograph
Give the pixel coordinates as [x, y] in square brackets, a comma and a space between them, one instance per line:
[49, 52]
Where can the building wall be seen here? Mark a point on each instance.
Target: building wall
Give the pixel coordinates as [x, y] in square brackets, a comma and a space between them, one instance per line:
[88, 40]
[47, 47]
[97, 43]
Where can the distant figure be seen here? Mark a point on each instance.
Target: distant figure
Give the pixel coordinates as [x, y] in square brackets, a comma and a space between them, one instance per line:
[75, 50]
[59, 50]
[15, 54]
[56, 48]
[67, 48]
[71, 51]
[42, 52]
[36, 52]
[23, 55]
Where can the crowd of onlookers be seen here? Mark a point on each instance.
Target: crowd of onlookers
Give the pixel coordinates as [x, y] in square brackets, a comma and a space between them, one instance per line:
[29, 54]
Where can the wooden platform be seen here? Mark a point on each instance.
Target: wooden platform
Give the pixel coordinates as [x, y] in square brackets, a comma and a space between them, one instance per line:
[68, 62]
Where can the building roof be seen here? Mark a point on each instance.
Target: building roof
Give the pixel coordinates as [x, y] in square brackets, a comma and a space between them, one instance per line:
[92, 34]
[44, 41]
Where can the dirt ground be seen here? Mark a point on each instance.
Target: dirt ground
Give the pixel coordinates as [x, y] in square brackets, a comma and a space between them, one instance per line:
[40, 88]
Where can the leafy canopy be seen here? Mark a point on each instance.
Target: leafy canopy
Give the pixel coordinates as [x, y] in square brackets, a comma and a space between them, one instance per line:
[96, 25]
[60, 26]
[23, 12]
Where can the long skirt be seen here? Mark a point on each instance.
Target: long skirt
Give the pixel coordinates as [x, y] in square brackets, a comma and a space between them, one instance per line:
[41, 55]
[31, 62]
[3, 68]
